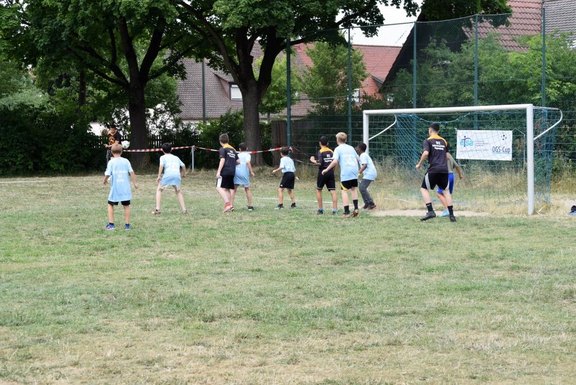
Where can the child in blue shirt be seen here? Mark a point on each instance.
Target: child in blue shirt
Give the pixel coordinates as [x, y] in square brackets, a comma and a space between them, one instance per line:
[119, 171]
[369, 173]
[288, 178]
[242, 175]
[170, 173]
[346, 157]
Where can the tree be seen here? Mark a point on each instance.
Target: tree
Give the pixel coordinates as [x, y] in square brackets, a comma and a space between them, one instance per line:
[326, 82]
[275, 98]
[231, 29]
[127, 43]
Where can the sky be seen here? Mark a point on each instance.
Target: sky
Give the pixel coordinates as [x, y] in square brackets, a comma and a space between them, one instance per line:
[396, 28]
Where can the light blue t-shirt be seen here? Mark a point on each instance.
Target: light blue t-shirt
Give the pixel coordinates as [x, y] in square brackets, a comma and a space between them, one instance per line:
[370, 172]
[242, 175]
[119, 169]
[348, 161]
[287, 164]
[171, 170]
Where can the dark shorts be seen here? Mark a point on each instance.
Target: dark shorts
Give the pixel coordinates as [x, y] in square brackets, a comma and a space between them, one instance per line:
[431, 180]
[348, 184]
[287, 181]
[327, 180]
[124, 203]
[450, 184]
[226, 181]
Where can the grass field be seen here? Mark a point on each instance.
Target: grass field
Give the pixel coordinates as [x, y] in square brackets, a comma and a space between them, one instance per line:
[277, 297]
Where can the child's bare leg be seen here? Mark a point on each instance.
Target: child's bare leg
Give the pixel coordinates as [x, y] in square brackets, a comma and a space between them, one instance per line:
[280, 196]
[110, 213]
[334, 199]
[354, 193]
[345, 200]
[224, 194]
[180, 197]
[249, 195]
[442, 199]
[233, 194]
[319, 198]
[158, 198]
[448, 197]
[291, 195]
[127, 211]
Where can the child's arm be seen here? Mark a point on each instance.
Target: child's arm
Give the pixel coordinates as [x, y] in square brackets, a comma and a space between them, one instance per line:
[459, 170]
[276, 170]
[106, 177]
[133, 178]
[160, 170]
[362, 168]
[183, 171]
[220, 166]
[332, 164]
[249, 164]
[314, 161]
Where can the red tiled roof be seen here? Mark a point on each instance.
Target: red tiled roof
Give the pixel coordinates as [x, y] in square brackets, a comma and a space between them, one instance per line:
[378, 61]
[525, 20]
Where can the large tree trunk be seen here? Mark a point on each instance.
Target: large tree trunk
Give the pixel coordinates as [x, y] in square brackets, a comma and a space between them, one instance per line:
[138, 129]
[252, 133]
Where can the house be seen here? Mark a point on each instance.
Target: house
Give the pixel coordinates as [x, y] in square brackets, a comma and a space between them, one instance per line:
[525, 20]
[207, 93]
[560, 16]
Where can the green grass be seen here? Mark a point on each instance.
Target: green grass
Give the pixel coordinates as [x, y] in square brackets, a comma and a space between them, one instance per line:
[276, 297]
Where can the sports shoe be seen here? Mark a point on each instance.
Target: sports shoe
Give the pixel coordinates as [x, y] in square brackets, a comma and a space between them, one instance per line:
[365, 207]
[334, 211]
[228, 207]
[429, 215]
[293, 205]
[347, 214]
[156, 212]
[320, 211]
[371, 206]
[127, 226]
[573, 211]
[250, 208]
[110, 226]
[355, 213]
[452, 218]
[279, 207]
[445, 213]
[184, 212]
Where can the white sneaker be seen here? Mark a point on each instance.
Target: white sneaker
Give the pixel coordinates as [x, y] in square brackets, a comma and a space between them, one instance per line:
[445, 213]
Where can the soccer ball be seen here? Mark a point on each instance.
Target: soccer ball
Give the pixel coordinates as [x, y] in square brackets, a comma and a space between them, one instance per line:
[125, 144]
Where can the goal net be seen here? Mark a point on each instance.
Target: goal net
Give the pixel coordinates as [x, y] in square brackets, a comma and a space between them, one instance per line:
[506, 152]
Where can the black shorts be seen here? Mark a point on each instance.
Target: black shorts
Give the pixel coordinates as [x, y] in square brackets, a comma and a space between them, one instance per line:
[124, 203]
[287, 181]
[431, 180]
[226, 181]
[348, 184]
[327, 180]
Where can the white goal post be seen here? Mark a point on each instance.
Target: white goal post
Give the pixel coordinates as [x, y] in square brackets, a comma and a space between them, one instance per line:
[530, 138]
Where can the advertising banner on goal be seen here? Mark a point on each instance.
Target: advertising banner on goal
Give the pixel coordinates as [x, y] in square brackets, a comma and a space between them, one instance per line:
[484, 144]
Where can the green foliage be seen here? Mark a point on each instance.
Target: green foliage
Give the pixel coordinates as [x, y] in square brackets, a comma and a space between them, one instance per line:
[275, 98]
[326, 82]
[45, 141]
[230, 123]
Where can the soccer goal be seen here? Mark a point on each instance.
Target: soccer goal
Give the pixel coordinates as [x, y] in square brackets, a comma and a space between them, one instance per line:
[506, 150]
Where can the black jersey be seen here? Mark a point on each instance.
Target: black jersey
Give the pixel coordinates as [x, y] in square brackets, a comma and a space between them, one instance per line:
[437, 148]
[230, 156]
[325, 156]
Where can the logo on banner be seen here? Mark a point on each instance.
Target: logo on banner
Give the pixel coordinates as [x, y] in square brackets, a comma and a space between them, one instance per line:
[484, 144]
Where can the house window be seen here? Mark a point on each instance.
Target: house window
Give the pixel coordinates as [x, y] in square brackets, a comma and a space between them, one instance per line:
[235, 93]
